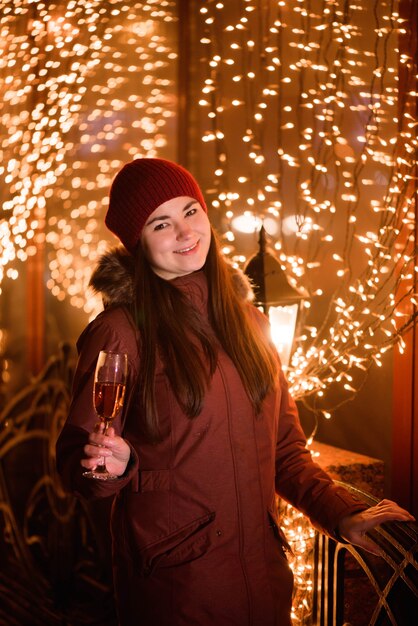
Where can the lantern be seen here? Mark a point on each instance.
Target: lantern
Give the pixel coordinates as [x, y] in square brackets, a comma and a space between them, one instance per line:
[277, 298]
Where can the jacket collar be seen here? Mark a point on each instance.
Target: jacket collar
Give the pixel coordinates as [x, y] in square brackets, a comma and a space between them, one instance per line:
[114, 278]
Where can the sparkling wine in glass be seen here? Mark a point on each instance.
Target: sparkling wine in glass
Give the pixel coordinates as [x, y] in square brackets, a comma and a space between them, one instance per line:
[108, 395]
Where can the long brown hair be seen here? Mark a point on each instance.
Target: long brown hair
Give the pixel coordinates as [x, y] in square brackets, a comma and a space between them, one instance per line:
[169, 326]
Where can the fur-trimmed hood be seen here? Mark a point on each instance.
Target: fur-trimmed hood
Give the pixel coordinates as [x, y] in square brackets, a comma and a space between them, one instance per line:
[114, 278]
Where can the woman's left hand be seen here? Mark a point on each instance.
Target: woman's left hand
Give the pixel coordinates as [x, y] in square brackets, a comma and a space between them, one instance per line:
[113, 449]
[353, 528]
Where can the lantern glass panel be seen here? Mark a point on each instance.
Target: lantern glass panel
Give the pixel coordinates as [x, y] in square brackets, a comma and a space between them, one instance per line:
[283, 325]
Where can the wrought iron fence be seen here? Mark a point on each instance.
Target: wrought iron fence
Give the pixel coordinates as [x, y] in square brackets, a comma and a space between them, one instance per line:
[54, 559]
[356, 588]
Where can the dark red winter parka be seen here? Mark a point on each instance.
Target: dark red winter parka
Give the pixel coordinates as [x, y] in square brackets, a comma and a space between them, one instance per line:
[196, 539]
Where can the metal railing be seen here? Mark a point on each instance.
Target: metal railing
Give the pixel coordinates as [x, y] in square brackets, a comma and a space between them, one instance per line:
[357, 588]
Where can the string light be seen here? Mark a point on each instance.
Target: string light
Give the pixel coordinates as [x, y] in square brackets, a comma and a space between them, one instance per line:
[85, 87]
[301, 538]
[327, 148]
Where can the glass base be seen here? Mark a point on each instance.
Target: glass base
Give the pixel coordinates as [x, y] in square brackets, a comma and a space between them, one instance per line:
[98, 474]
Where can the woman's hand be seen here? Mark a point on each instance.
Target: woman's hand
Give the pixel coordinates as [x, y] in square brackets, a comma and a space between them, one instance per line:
[110, 447]
[353, 528]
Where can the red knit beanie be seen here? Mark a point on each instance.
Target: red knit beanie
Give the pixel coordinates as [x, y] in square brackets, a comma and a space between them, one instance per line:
[139, 188]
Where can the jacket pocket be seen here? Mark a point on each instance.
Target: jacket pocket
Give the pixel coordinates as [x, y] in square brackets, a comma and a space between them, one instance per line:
[279, 534]
[179, 547]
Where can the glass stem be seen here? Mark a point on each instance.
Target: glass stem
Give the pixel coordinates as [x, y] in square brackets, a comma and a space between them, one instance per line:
[101, 467]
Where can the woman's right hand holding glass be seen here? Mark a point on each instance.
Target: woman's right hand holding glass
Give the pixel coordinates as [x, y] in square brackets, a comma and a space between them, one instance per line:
[111, 447]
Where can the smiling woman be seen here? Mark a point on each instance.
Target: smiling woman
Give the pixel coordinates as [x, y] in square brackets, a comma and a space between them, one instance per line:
[209, 433]
[176, 238]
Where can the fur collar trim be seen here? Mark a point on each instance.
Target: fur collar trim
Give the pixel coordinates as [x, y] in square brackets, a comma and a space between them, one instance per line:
[114, 278]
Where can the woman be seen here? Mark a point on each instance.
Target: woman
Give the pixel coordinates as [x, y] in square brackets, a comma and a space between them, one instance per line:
[209, 433]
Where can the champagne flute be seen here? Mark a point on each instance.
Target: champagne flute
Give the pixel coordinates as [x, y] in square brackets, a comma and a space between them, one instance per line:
[108, 396]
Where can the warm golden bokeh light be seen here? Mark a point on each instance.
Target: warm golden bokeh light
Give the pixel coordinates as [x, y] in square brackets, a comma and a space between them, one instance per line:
[84, 89]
